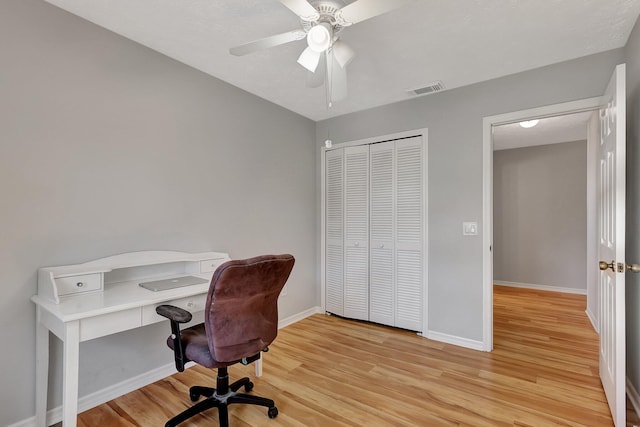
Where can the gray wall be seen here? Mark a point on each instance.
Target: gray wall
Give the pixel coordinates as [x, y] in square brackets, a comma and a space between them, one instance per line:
[632, 53]
[108, 147]
[454, 119]
[540, 215]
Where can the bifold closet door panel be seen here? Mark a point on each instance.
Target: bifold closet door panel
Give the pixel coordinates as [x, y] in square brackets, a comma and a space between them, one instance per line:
[356, 243]
[410, 230]
[374, 232]
[334, 229]
[382, 300]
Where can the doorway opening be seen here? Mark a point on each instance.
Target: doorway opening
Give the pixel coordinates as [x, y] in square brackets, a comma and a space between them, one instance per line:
[610, 230]
[489, 125]
[544, 205]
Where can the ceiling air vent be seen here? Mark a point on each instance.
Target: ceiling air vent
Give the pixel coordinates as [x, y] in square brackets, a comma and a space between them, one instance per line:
[436, 86]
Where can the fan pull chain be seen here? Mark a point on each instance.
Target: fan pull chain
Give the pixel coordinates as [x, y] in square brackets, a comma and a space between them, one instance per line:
[328, 80]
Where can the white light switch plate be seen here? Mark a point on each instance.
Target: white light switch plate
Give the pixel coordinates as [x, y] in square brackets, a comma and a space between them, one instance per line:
[469, 228]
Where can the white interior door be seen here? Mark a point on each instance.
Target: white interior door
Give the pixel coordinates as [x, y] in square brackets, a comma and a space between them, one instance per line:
[356, 243]
[382, 295]
[334, 243]
[611, 250]
[410, 231]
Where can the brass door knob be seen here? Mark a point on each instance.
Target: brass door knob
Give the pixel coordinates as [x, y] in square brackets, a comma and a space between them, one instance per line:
[605, 265]
[634, 268]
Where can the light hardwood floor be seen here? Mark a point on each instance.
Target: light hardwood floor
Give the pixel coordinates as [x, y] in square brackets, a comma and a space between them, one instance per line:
[327, 371]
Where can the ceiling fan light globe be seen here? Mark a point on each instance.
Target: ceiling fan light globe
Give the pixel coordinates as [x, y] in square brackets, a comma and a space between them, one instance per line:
[319, 37]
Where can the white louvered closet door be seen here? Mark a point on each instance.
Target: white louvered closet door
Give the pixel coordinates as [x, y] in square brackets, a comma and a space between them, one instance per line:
[356, 243]
[382, 298]
[334, 244]
[374, 229]
[409, 235]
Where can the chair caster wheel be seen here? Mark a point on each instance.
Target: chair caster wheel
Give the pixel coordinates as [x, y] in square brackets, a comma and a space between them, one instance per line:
[194, 396]
[248, 387]
[273, 412]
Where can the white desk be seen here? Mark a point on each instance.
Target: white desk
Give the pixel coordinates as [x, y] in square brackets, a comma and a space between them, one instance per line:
[102, 297]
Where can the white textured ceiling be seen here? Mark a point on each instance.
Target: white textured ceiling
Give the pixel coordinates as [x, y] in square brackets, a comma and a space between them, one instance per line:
[459, 42]
[550, 130]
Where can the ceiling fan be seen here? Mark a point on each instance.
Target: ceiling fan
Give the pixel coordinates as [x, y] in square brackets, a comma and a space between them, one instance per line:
[326, 56]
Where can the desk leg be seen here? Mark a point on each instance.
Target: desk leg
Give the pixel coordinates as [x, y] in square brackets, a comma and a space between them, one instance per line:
[259, 366]
[70, 368]
[42, 371]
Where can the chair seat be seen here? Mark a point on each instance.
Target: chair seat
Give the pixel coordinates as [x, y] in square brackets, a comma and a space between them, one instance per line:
[196, 347]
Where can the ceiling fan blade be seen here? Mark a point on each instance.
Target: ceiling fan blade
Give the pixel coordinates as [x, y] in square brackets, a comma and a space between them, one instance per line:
[302, 8]
[309, 59]
[316, 79]
[361, 10]
[267, 42]
[342, 52]
[336, 79]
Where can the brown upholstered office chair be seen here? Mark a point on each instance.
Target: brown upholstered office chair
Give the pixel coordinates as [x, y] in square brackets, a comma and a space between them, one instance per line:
[241, 320]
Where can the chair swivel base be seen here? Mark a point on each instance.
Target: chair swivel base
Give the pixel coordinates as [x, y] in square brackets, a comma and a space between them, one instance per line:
[216, 399]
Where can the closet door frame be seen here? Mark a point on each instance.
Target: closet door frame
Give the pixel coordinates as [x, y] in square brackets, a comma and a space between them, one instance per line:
[423, 133]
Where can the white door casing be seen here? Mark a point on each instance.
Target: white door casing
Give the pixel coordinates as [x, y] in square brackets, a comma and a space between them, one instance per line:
[587, 104]
[360, 272]
[611, 244]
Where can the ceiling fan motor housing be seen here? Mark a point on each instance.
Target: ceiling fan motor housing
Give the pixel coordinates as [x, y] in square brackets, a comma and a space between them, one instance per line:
[327, 11]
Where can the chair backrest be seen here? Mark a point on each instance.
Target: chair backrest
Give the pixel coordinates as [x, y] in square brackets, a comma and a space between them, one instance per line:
[241, 313]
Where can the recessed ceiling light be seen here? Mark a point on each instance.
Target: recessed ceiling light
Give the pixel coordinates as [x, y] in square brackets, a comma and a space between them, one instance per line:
[529, 123]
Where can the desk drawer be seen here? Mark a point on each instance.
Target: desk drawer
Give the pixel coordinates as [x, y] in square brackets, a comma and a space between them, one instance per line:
[191, 304]
[79, 284]
[210, 265]
[111, 323]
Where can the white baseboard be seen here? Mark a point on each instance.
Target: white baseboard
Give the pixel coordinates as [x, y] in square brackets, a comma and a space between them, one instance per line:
[455, 340]
[592, 319]
[541, 287]
[106, 394]
[633, 395]
[116, 390]
[298, 317]
[29, 422]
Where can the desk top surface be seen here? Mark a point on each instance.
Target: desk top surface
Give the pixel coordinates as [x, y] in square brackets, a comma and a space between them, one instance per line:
[124, 293]
[116, 297]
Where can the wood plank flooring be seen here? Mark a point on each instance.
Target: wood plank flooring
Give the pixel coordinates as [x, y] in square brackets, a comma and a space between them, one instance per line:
[327, 371]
